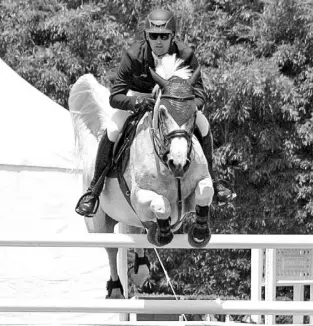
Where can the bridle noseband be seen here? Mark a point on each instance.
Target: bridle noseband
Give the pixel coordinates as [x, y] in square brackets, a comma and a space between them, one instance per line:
[178, 98]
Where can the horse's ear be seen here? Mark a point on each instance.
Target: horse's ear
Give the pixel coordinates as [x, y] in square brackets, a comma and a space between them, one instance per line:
[158, 79]
[195, 76]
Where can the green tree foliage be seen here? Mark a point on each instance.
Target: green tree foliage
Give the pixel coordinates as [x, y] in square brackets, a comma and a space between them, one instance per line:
[257, 67]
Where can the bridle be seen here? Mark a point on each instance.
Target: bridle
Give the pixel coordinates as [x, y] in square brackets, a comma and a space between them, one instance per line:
[161, 144]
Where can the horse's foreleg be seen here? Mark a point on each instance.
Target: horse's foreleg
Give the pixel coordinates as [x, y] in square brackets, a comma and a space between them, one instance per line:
[154, 211]
[199, 234]
[112, 255]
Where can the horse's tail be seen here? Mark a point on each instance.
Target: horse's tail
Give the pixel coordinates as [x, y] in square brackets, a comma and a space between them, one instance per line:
[91, 112]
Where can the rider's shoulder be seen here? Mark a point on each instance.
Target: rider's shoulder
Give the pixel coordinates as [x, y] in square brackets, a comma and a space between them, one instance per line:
[184, 50]
[137, 49]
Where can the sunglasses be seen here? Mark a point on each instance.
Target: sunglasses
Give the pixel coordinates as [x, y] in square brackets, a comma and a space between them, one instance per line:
[163, 36]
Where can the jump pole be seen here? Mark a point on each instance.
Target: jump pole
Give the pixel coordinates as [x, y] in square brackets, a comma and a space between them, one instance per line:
[232, 307]
[180, 241]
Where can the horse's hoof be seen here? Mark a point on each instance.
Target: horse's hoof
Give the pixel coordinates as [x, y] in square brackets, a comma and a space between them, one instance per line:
[199, 237]
[155, 237]
[115, 289]
[164, 240]
[115, 294]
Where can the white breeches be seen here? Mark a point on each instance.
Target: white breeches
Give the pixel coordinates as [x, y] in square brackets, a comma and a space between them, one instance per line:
[202, 123]
[116, 124]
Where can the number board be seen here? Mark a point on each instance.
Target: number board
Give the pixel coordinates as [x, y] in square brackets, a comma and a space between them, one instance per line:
[294, 264]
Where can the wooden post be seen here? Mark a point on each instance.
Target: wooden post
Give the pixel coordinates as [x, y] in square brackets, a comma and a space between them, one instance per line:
[256, 279]
[298, 295]
[270, 281]
[122, 269]
[311, 299]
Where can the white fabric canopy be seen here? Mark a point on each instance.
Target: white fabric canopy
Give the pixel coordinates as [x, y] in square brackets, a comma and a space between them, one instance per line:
[34, 130]
[38, 194]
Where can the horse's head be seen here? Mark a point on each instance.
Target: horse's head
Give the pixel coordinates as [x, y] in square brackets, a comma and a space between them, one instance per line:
[174, 118]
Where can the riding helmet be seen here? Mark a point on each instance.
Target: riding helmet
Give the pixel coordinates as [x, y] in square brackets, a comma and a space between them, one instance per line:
[160, 21]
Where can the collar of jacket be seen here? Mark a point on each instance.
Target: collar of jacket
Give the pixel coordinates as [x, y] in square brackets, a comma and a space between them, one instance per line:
[148, 53]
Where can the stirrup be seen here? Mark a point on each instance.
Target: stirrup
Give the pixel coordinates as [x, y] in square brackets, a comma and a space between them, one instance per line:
[94, 211]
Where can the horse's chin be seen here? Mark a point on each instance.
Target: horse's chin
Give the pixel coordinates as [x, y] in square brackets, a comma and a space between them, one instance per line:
[178, 170]
[178, 174]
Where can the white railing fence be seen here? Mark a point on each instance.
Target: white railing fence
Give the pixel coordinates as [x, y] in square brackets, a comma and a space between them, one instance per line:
[231, 307]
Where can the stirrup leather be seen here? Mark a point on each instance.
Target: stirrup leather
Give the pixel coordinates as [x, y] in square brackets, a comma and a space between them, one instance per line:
[95, 198]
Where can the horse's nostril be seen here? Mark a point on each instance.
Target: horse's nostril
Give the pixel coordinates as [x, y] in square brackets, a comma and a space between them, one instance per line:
[171, 164]
[177, 169]
[187, 165]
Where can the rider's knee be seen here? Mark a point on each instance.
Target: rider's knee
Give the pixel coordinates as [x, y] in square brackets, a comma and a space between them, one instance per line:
[119, 117]
[202, 123]
[113, 133]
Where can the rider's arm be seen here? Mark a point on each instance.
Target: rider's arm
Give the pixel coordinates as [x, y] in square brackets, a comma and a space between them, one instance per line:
[123, 81]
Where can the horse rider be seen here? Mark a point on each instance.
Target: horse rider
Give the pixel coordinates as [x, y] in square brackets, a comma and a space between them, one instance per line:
[133, 74]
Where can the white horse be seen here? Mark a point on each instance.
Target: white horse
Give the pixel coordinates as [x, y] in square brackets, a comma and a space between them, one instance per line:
[166, 175]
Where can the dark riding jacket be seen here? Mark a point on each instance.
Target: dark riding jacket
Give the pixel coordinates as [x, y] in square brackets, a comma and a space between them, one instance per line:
[133, 74]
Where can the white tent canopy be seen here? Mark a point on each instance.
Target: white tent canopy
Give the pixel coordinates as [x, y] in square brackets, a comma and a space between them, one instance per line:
[36, 157]
[34, 130]
[38, 194]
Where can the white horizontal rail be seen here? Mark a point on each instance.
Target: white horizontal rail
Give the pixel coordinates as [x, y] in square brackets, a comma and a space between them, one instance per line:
[163, 323]
[150, 323]
[173, 323]
[219, 241]
[234, 307]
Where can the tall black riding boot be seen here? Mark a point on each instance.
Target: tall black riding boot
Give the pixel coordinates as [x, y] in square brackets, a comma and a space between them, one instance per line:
[222, 193]
[89, 202]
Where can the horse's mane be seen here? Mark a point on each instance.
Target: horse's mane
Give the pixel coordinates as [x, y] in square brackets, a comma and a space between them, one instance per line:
[91, 112]
[170, 66]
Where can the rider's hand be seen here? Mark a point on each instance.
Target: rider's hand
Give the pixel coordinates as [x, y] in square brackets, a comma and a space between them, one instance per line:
[144, 102]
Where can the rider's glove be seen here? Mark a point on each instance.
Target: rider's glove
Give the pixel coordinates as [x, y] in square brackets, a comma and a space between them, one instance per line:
[144, 102]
